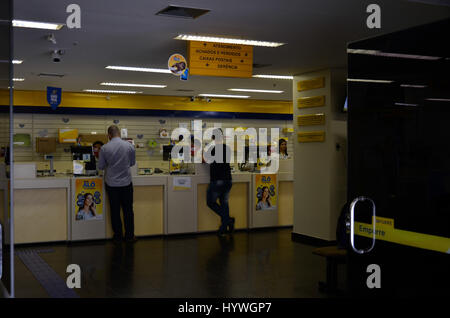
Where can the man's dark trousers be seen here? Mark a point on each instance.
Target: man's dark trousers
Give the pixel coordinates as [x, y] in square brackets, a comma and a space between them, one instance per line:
[220, 189]
[121, 197]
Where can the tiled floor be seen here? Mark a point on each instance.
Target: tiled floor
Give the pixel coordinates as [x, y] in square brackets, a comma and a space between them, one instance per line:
[250, 264]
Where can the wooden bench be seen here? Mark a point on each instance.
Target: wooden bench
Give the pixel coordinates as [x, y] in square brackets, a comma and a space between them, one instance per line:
[334, 256]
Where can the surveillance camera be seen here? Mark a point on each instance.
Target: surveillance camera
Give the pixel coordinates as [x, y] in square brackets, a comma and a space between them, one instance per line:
[208, 100]
[56, 55]
[192, 98]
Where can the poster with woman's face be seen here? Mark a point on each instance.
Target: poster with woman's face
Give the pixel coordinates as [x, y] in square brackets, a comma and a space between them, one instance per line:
[266, 192]
[89, 205]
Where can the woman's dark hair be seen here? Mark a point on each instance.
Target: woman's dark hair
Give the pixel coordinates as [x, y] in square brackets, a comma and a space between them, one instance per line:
[279, 145]
[98, 142]
[85, 197]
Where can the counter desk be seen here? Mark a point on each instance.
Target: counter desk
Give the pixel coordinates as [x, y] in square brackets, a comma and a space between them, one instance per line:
[46, 209]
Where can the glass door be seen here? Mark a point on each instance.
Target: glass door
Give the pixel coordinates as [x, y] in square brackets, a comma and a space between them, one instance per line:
[6, 87]
[399, 163]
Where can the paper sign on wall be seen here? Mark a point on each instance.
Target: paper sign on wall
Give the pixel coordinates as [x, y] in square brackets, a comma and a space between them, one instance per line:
[181, 183]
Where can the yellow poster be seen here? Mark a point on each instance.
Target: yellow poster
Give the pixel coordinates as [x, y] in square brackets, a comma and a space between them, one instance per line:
[88, 199]
[266, 192]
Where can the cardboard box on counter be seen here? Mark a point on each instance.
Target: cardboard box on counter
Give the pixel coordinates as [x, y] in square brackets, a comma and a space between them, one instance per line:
[89, 139]
[45, 144]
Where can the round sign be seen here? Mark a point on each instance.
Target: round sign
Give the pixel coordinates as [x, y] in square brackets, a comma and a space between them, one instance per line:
[177, 64]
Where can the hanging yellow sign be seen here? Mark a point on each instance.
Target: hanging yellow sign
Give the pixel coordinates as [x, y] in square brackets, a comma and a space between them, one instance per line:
[311, 136]
[310, 120]
[220, 59]
[314, 101]
[313, 83]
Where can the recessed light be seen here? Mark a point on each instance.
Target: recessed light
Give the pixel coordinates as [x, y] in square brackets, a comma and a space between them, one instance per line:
[254, 90]
[110, 91]
[367, 80]
[133, 85]
[18, 79]
[413, 86]
[188, 37]
[274, 76]
[17, 61]
[223, 96]
[362, 51]
[388, 54]
[405, 104]
[36, 25]
[439, 99]
[139, 69]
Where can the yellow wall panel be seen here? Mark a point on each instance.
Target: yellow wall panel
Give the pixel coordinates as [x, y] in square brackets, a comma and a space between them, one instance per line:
[89, 100]
[148, 210]
[286, 203]
[210, 221]
[40, 215]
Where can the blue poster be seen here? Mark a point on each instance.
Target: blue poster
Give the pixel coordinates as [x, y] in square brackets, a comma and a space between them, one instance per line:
[54, 96]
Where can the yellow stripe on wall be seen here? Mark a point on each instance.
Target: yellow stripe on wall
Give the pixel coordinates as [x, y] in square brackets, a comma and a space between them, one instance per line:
[90, 100]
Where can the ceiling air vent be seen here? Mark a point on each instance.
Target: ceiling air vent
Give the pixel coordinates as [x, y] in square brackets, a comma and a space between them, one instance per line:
[182, 12]
[184, 90]
[50, 75]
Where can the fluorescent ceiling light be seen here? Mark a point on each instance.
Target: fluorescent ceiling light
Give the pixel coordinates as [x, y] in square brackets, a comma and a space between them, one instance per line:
[223, 96]
[110, 91]
[387, 54]
[361, 51]
[18, 79]
[187, 37]
[13, 61]
[367, 80]
[404, 104]
[133, 85]
[274, 76]
[413, 86]
[139, 69]
[37, 25]
[254, 90]
[439, 99]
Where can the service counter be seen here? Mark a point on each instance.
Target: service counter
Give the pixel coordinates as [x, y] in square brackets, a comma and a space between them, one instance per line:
[46, 208]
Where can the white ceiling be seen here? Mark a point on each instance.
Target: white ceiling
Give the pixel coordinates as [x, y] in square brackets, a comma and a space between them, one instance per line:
[118, 32]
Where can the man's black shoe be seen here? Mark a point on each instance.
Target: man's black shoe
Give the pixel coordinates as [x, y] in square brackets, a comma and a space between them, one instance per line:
[117, 240]
[131, 240]
[221, 232]
[231, 225]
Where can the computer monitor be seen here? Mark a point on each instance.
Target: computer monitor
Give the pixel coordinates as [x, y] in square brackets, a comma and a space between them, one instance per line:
[167, 149]
[86, 154]
[79, 151]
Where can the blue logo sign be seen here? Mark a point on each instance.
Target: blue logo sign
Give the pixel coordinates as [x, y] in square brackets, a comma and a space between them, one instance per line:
[265, 179]
[54, 96]
[88, 185]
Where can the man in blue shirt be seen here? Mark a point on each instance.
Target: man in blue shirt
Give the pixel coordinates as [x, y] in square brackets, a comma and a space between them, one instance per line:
[116, 158]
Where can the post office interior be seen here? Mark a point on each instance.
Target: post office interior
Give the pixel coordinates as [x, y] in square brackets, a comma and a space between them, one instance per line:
[297, 88]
